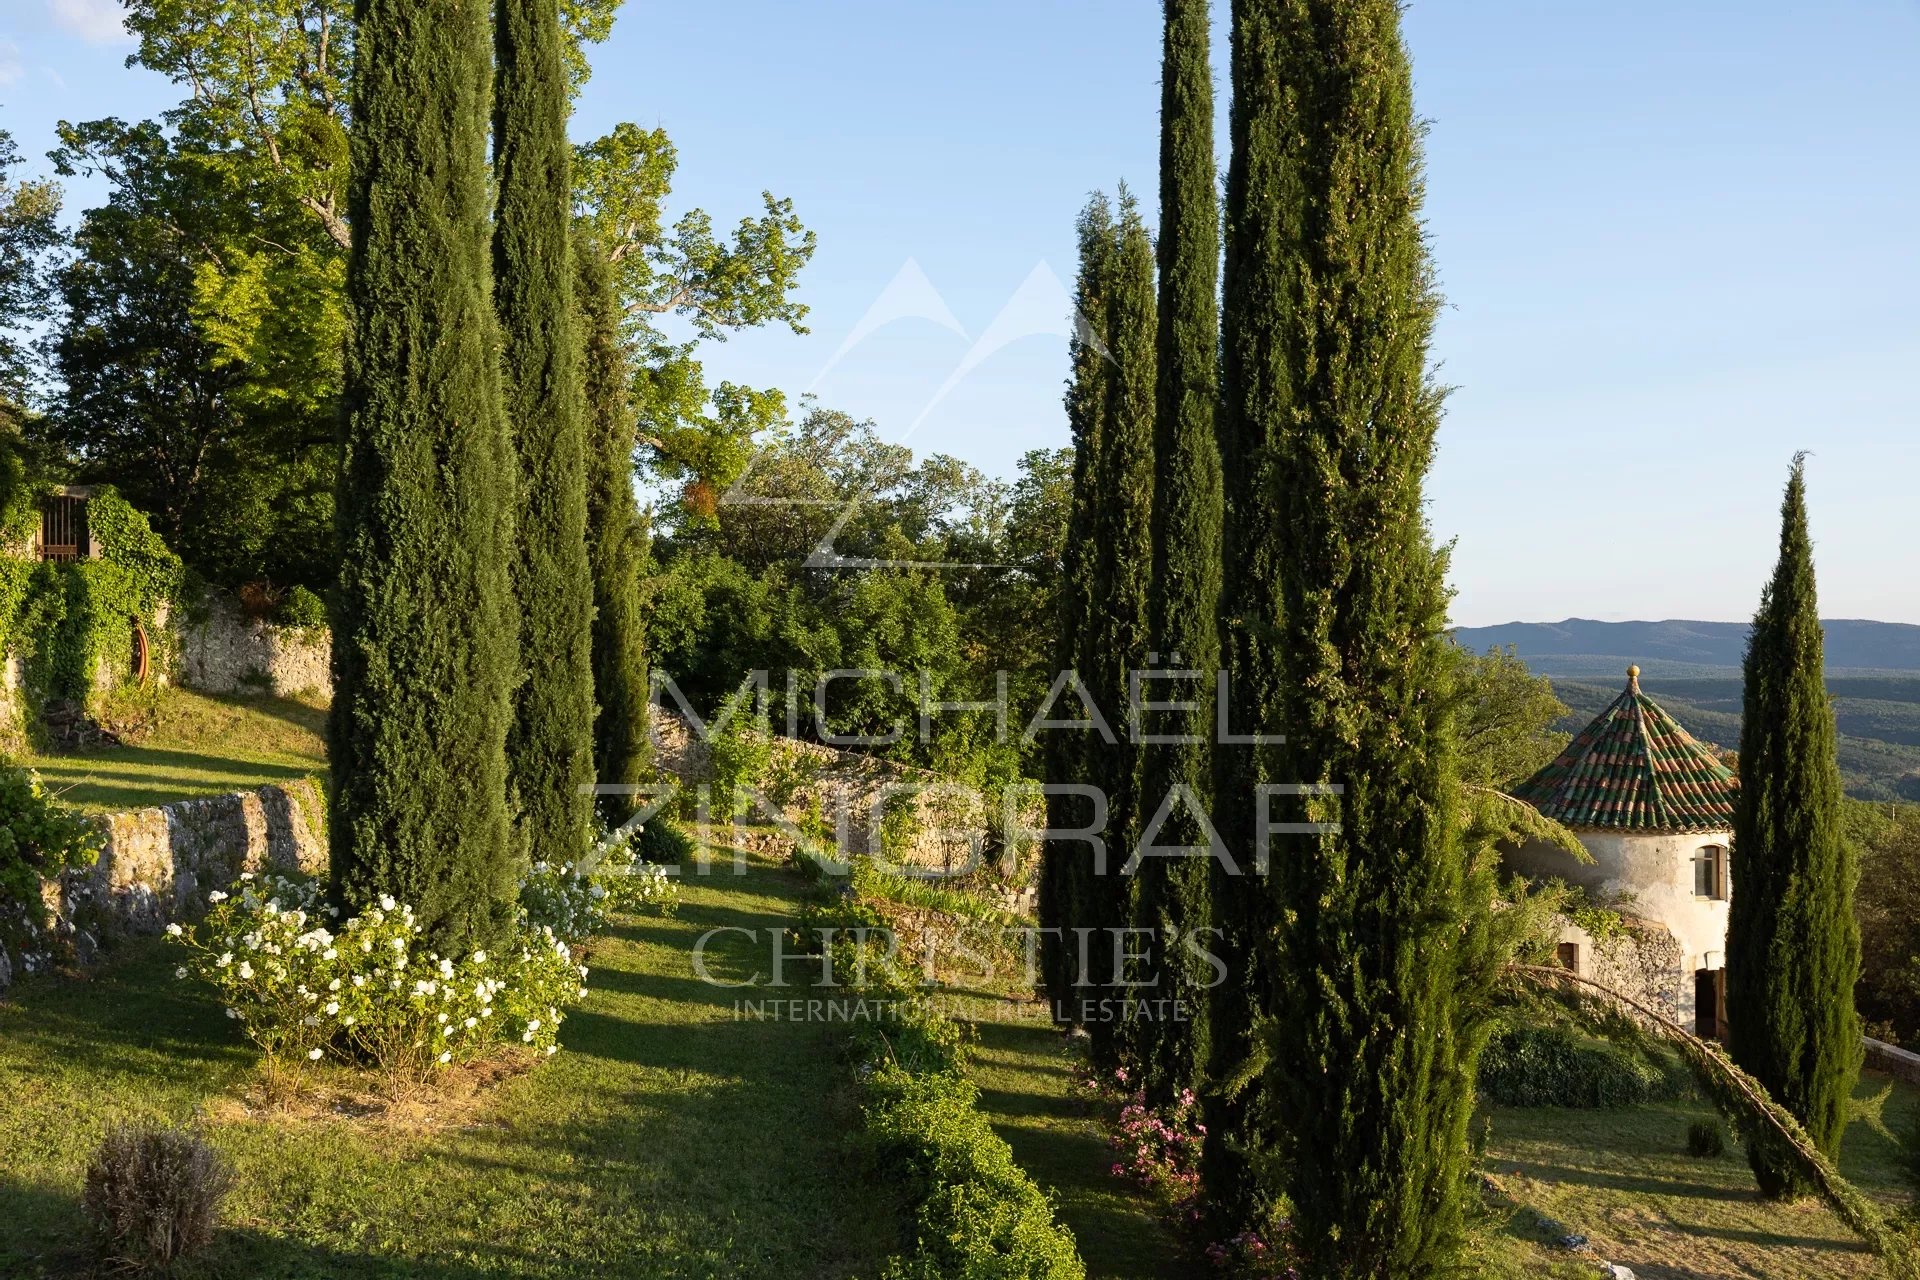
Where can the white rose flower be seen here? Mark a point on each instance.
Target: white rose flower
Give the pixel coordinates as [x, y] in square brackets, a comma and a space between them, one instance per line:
[552, 1049]
[479, 957]
[174, 931]
[446, 1058]
[226, 958]
[314, 1054]
[386, 902]
[216, 896]
[333, 1007]
[181, 972]
[246, 970]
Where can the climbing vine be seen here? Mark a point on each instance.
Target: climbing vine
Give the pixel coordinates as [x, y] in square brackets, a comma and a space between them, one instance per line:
[67, 622]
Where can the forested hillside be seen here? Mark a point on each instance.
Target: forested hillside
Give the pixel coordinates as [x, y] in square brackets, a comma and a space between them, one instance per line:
[1580, 648]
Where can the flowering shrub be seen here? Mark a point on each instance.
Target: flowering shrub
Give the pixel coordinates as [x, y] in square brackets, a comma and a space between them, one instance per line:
[1249, 1257]
[371, 991]
[1159, 1149]
[573, 900]
[38, 840]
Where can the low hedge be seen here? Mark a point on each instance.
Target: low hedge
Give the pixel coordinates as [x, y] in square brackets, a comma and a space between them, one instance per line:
[1558, 1066]
[976, 1214]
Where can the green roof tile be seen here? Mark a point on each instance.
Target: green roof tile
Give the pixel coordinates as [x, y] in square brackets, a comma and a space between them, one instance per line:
[1635, 769]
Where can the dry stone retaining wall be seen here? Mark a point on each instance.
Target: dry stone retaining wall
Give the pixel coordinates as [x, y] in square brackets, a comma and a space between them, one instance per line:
[221, 650]
[158, 865]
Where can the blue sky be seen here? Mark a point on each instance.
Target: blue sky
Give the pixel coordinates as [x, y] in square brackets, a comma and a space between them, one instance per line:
[1676, 241]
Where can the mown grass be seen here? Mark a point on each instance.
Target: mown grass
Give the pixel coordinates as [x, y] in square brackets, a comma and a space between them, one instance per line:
[668, 1139]
[1623, 1179]
[181, 743]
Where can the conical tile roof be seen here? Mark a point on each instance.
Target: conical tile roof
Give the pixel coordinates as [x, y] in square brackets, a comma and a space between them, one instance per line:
[1635, 769]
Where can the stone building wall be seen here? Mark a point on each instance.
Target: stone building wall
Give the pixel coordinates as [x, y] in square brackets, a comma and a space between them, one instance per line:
[221, 650]
[1645, 964]
[158, 865]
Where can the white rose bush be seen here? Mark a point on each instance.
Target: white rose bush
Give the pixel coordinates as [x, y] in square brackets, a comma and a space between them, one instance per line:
[575, 899]
[370, 991]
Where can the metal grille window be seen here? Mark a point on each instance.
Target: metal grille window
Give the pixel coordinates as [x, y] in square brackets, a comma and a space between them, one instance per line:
[63, 528]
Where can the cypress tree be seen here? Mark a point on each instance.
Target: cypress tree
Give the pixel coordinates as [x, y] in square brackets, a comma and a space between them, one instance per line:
[1363, 1081]
[1122, 573]
[550, 743]
[1793, 943]
[1066, 865]
[1173, 892]
[423, 634]
[616, 539]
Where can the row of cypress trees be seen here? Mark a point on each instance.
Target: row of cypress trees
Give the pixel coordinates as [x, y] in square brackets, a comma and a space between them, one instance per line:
[469, 618]
[1339, 1040]
[1284, 539]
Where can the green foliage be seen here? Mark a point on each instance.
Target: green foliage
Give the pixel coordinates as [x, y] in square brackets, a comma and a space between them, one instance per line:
[38, 841]
[425, 637]
[29, 230]
[975, 1212]
[1793, 944]
[1504, 717]
[1706, 1139]
[368, 988]
[550, 743]
[302, 609]
[616, 540]
[1173, 895]
[663, 843]
[72, 623]
[740, 752]
[1110, 405]
[1746, 1102]
[1379, 932]
[200, 368]
[1888, 902]
[1554, 1065]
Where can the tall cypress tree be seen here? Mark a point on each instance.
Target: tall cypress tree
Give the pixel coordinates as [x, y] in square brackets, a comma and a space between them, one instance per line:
[550, 744]
[1793, 943]
[423, 650]
[1066, 865]
[1173, 893]
[1122, 575]
[1365, 1076]
[616, 538]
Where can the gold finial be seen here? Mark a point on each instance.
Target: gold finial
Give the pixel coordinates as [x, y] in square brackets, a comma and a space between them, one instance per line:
[1633, 677]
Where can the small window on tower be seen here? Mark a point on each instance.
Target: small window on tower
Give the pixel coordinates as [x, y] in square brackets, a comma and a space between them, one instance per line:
[1710, 872]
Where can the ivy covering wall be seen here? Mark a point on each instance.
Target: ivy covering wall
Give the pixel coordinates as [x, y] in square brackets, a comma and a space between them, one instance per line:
[72, 625]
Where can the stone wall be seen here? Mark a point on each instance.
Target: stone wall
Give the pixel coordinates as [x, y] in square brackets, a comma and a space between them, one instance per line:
[1896, 1062]
[1643, 963]
[947, 828]
[221, 650]
[158, 865]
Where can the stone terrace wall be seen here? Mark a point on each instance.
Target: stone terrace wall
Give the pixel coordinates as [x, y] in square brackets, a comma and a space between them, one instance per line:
[949, 826]
[224, 651]
[1896, 1062]
[159, 864]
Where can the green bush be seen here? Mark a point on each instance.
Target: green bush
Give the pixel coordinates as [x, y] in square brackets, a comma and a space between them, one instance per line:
[662, 842]
[301, 608]
[1706, 1139]
[978, 1215]
[1558, 1066]
[38, 840]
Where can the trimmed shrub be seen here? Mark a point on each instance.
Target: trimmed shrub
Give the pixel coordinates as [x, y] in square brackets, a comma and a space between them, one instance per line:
[154, 1195]
[1706, 1139]
[661, 841]
[1557, 1066]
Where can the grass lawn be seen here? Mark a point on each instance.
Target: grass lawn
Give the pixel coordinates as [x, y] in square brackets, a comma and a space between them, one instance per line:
[1025, 1073]
[668, 1139]
[189, 744]
[1623, 1179]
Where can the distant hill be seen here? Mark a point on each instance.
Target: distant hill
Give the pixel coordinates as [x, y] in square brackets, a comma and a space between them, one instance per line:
[1693, 670]
[1580, 648]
